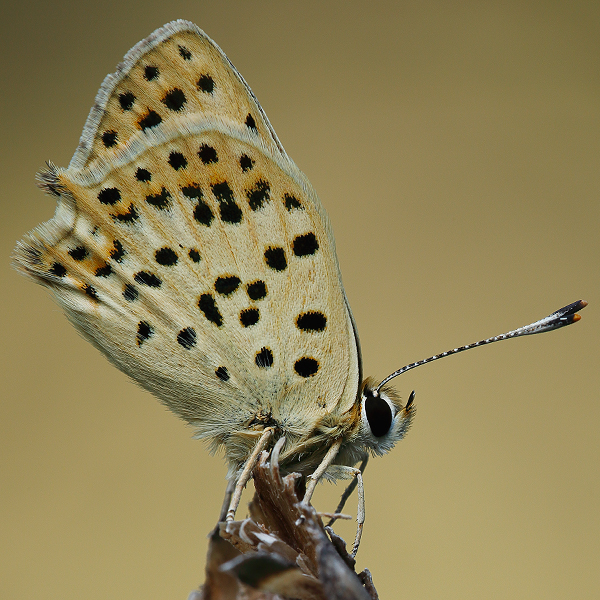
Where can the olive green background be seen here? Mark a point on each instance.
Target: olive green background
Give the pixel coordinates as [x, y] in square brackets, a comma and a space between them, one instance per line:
[455, 146]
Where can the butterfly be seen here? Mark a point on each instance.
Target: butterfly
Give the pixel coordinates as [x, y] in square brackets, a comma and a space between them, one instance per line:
[190, 250]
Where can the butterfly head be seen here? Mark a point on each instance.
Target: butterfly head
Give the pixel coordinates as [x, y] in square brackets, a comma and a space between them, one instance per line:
[383, 419]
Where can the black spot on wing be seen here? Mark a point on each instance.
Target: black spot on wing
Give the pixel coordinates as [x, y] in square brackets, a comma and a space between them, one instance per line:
[89, 291]
[130, 293]
[249, 317]
[177, 161]
[126, 100]
[194, 255]
[104, 271]
[207, 154]
[118, 252]
[304, 245]
[151, 73]
[230, 212]
[187, 338]
[209, 307]
[222, 192]
[257, 290]
[250, 123]
[78, 253]
[264, 358]
[311, 320]
[203, 214]
[109, 196]
[246, 163]
[258, 194]
[109, 139]
[161, 200]
[149, 120]
[166, 257]
[227, 285]
[143, 175]
[184, 53]
[127, 217]
[275, 258]
[222, 373]
[291, 202]
[192, 191]
[206, 84]
[57, 270]
[147, 278]
[144, 331]
[306, 366]
[174, 99]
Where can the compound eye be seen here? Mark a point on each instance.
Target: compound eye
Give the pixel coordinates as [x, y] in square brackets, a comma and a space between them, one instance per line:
[379, 414]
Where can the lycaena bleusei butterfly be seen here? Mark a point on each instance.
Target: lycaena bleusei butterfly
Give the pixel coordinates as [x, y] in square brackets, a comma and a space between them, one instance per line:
[189, 248]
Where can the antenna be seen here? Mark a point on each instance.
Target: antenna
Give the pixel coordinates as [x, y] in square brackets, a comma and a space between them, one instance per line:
[563, 316]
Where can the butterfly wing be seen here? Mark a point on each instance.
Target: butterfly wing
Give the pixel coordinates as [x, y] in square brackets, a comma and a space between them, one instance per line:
[191, 250]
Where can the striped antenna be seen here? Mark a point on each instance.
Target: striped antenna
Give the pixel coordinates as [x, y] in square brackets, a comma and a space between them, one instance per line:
[563, 316]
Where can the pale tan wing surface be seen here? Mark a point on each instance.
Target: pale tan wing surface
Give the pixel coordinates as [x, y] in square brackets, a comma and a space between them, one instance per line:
[190, 249]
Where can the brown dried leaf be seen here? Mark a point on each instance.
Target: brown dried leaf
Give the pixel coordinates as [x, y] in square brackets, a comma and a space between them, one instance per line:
[281, 551]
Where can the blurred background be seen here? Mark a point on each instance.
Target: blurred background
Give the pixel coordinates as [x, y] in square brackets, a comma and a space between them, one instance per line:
[455, 146]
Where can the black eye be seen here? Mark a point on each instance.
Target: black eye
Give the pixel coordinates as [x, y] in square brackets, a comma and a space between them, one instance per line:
[379, 414]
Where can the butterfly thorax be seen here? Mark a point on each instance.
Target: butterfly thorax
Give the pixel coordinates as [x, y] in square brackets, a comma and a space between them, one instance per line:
[359, 430]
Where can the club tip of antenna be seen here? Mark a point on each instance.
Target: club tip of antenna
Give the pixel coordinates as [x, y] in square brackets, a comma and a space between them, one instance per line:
[578, 306]
[567, 313]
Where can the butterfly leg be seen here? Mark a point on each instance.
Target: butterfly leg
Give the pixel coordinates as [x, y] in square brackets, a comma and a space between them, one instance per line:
[227, 499]
[360, 511]
[314, 478]
[247, 473]
[348, 491]
[356, 474]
